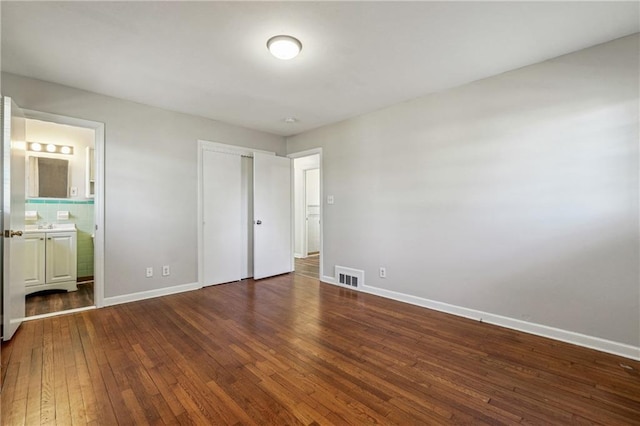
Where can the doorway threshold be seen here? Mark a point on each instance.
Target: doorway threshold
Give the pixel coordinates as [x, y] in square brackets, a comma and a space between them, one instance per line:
[55, 314]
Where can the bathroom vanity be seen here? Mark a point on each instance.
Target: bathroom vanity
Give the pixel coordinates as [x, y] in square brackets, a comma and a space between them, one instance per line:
[50, 258]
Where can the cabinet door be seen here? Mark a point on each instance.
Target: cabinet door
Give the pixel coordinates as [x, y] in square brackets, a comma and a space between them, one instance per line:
[61, 257]
[34, 259]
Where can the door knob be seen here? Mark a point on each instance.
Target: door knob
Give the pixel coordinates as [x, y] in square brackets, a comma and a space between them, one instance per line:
[16, 234]
[258, 222]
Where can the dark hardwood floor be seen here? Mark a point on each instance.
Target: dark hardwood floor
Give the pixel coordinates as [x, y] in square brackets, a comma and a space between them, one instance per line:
[290, 350]
[45, 302]
[308, 266]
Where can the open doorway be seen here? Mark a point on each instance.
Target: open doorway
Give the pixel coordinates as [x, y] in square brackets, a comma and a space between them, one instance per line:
[307, 215]
[62, 263]
[59, 217]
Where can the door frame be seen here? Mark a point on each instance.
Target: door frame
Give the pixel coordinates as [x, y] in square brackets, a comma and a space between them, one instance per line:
[305, 228]
[204, 145]
[301, 154]
[98, 200]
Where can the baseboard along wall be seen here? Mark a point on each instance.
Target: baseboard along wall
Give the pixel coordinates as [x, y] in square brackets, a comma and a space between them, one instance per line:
[616, 348]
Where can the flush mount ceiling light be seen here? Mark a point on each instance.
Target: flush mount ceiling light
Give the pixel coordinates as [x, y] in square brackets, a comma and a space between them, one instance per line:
[284, 46]
[290, 120]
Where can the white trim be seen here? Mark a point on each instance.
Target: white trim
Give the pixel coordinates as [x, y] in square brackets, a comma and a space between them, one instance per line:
[307, 153]
[301, 154]
[149, 294]
[61, 119]
[579, 339]
[55, 314]
[98, 200]
[229, 149]
[200, 215]
[332, 280]
[204, 145]
[305, 226]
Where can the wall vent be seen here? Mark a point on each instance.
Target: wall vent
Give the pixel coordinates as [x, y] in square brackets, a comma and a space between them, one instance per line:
[349, 276]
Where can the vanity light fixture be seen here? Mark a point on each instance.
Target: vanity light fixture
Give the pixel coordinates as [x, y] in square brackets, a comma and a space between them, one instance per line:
[50, 148]
[284, 46]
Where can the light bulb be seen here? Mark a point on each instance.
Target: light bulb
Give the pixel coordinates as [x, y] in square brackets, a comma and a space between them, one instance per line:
[51, 148]
[36, 147]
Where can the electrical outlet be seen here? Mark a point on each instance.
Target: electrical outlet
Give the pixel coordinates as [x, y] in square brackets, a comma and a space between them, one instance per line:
[166, 271]
[330, 199]
[149, 272]
[383, 272]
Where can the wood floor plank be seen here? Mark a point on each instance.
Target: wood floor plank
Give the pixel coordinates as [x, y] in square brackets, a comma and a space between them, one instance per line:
[34, 398]
[95, 389]
[290, 350]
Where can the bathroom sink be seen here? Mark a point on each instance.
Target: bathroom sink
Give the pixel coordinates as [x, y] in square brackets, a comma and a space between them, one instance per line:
[52, 227]
[64, 227]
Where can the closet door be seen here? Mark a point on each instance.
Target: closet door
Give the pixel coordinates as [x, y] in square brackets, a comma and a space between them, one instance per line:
[222, 230]
[272, 216]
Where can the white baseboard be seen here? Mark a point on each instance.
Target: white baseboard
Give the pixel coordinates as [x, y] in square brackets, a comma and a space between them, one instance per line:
[142, 295]
[331, 280]
[579, 339]
[616, 348]
[298, 255]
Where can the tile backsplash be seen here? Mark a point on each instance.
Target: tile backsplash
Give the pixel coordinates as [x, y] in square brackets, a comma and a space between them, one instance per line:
[81, 212]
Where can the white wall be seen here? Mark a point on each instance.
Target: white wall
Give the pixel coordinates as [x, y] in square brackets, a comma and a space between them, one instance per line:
[151, 179]
[300, 165]
[79, 138]
[516, 195]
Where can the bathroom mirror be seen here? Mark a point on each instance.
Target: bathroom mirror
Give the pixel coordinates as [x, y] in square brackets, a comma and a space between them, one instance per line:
[47, 177]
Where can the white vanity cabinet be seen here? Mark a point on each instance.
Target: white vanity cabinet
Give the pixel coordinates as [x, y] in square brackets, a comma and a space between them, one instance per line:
[50, 260]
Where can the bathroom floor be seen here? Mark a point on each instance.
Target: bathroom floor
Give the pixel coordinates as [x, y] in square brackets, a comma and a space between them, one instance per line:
[45, 302]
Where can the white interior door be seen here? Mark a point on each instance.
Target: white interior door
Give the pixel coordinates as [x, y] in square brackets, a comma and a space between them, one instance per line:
[222, 227]
[13, 161]
[272, 215]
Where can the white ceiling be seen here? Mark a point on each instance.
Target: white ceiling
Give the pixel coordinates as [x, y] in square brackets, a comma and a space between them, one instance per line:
[210, 58]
